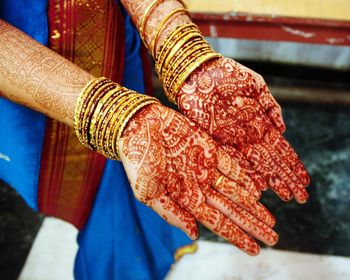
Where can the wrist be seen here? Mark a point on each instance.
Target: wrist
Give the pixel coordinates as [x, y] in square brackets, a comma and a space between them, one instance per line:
[183, 51]
[103, 110]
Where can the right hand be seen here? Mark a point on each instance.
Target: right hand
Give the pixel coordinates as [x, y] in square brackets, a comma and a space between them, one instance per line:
[173, 167]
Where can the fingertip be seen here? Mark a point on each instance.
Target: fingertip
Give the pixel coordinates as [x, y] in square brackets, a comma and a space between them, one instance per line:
[274, 239]
[276, 117]
[302, 200]
[254, 251]
[306, 181]
[192, 231]
[286, 199]
[272, 221]
[257, 194]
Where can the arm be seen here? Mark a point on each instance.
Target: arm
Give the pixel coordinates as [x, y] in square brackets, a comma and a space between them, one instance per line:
[37, 77]
[229, 101]
[173, 166]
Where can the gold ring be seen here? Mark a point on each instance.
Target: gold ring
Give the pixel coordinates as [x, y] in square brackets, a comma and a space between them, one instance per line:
[218, 181]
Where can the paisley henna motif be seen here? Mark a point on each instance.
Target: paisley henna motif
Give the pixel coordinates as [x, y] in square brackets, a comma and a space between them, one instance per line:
[233, 104]
[172, 166]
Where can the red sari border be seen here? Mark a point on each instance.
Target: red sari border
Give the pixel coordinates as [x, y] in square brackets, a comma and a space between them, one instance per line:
[91, 35]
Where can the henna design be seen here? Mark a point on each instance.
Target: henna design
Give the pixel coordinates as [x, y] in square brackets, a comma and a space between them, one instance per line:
[233, 104]
[172, 166]
[137, 9]
[38, 77]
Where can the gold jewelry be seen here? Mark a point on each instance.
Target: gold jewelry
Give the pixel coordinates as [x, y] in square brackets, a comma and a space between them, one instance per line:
[181, 53]
[103, 110]
[145, 18]
[153, 45]
[195, 65]
[218, 181]
[170, 42]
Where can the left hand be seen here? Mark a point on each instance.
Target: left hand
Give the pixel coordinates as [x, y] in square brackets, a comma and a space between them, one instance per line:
[233, 104]
[174, 167]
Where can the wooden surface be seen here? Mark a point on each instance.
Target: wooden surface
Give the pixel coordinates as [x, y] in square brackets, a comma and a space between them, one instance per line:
[322, 9]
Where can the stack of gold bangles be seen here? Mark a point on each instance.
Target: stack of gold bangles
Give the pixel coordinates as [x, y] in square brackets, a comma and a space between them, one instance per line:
[181, 53]
[102, 113]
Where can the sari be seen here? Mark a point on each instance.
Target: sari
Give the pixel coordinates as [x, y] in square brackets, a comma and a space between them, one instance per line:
[119, 237]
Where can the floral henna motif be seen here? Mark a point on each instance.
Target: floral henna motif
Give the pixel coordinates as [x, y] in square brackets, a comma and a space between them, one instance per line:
[172, 166]
[233, 104]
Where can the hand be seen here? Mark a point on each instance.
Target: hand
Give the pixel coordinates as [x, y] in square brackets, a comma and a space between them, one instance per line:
[173, 167]
[233, 104]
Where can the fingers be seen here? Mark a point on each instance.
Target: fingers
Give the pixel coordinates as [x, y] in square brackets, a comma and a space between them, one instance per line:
[270, 105]
[175, 215]
[218, 223]
[263, 164]
[299, 192]
[242, 218]
[276, 117]
[244, 199]
[288, 155]
[237, 156]
[190, 197]
[233, 170]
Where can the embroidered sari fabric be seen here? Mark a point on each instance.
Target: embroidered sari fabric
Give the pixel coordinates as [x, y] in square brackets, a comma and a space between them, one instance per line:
[119, 237]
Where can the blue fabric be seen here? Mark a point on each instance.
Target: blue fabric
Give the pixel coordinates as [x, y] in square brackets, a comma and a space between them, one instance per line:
[21, 129]
[123, 239]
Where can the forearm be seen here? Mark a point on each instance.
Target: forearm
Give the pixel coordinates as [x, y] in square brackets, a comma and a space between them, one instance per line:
[137, 8]
[35, 76]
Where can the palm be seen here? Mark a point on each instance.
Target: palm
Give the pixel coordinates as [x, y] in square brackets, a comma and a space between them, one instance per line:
[233, 104]
[172, 165]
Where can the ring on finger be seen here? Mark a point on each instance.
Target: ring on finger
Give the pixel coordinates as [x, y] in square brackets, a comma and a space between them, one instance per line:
[218, 181]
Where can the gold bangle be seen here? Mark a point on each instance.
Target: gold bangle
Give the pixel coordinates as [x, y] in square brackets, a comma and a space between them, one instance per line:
[79, 105]
[194, 66]
[153, 45]
[169, 41]
[89, 96]
[198, 52]
[168, 53]
[130, 115]
[102, 113]
[103, 119]
[171, 93]
[97, 115]
[143, 20]
[177, 47]
[113, 116]
[123, 111]
[111, 124]
[180, 58]
[96, 94]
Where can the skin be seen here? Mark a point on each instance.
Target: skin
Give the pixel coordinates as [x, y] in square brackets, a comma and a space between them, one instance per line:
[232, 103]
[171, 163]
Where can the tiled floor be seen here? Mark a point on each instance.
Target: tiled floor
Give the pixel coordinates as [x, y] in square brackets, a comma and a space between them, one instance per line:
[52, 257]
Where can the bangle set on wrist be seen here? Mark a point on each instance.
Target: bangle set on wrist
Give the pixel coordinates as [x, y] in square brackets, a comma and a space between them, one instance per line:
[184, 50]
[103, 110]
